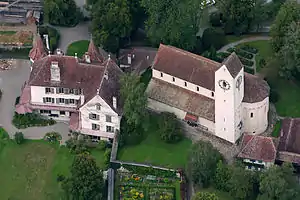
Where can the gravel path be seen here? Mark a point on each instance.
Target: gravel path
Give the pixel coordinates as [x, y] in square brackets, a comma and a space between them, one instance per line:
[249, 39]
[11, 82]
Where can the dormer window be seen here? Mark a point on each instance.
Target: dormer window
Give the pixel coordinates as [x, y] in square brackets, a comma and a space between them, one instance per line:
[185, 84]
[198, 89]
[161, 74]
[98, 106]
[173, 79]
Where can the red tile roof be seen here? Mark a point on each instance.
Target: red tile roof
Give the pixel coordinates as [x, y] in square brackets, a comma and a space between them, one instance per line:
[201, 71]
[38, 50]
[75, 74]
[94, 53]
[258, 148]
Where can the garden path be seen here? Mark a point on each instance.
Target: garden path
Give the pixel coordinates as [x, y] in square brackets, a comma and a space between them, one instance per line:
[11, 82]
[249, 39]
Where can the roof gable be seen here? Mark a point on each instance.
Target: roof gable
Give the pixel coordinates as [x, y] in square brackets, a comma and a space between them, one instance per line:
[38, 50]
[233, 64]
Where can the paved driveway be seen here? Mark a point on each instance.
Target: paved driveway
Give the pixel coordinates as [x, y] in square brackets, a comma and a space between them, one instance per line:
[11, 82]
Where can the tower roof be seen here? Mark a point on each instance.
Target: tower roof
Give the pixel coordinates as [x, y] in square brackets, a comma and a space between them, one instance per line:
[93, 52]
[38, 50]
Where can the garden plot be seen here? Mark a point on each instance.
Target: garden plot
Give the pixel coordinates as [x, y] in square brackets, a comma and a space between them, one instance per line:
[146, 187]
[18, 38]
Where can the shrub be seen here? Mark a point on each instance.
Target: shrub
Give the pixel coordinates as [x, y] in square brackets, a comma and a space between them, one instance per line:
[19, 137]
[53, 36]
[213, 37]
[52, 137]
[274, 96]
[222, 176]
[243, 53]
[262, 63]
[223, 55]
[60, 178]
[230, 50]
[249, 70]
[169, 128]
[249, 49]
[76, 146]
[229, 27]
[246, 61]
[102, 145]
[22, 121]
[107, 158]
[215, 19]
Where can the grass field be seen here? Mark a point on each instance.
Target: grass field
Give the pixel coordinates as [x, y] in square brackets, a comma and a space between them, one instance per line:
[154, 151]
[8, 32]
[29, 170]
[79, 47]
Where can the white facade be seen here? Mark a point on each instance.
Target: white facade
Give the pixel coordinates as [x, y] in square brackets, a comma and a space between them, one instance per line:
[264, 165]
[98, 119]
[232, 116]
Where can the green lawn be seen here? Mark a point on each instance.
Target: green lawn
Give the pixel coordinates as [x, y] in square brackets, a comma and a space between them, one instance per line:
[79, 47]
[8, 32]
[264, 50]
[276, 130]
[222, 195]
[29, 171]
[154, 151]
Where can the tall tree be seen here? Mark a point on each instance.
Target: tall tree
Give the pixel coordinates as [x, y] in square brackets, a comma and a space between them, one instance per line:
[289, 54]
[278, 183]
[86, 180]
[111, 22]
[202, 163]
[173, 22]
[260, 14]
[239, 14]
[289, 12]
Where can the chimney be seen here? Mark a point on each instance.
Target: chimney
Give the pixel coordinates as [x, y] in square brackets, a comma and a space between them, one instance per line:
[87, 58]
[115, 102]
[129, 59]
[55, 71]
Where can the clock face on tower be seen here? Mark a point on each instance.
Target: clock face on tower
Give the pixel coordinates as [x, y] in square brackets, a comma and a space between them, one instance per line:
[224, 84]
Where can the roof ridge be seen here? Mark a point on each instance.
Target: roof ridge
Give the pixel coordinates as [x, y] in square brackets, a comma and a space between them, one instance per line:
[252, 137]
[289, 133]
[187, 53]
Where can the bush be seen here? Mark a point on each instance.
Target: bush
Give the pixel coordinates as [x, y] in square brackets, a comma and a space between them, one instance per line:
[230, 50]
[107, 158]
[249, 70]
[223, 55]
[222, 177]
[19, 137]
[215, 19]
[102, 145]
[22, 121]
[53, 35]
[262, 63]
[241, 53]
[274, 96]
[169, 128]
[52, 137]
[249, 49]
[229, 27]
[213, 37]
[246, 61]
[76, 146]
[60, 178]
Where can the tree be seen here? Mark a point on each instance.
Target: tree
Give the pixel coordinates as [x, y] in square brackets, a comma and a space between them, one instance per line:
[278, 183]
[169, 128]
[64, 13]
[222, 177]
[213, 38]
[205, 196]
[260, 14]
[289, 12]
[19, 137]
[173, 22]
[86, 180]
[239, 14]
[202, 163]
[241, 183]
[288, 55]
[111, 21]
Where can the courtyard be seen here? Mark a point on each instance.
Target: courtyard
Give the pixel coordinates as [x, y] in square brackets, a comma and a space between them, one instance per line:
[31, 169]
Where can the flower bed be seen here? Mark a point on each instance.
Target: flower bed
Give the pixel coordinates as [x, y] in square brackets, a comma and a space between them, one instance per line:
[20, 38]
[162, 193]
[131, 192]
[245, 61]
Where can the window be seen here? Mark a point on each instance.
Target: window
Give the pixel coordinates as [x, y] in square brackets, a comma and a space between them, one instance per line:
[49, 90]
[71, 91]
[185, 84]
[60, 90]
[173, 79]
[93, 116]
[45, 111]
[108, 118]
[48, 100]
[251, 115]
[198, 89]
[109, 129]
[98, 106]
[212, 94]
[71, 101]
[224, 129]
[62, 112]
[95, 127]
[161, 74]
[66, 91]
[224, 119]
[61, 100]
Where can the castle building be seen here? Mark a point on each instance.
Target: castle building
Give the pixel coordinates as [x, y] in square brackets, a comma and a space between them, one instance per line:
[82, 91]
[218, 97]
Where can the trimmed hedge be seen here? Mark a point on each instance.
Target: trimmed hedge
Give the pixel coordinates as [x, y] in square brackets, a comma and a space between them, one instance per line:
[222, 55]
[53, 36]
[246, 61]
[22, 121]
[241, 53]
[249, 70]
[249, 49]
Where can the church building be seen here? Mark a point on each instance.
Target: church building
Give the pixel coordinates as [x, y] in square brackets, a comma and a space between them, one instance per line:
[218, 97]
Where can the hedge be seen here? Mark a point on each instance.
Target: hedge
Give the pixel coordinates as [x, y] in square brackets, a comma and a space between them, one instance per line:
[53, 35]
[241, 53]
[249, 49]
[22, 121]
[246, 61]
[249, 70]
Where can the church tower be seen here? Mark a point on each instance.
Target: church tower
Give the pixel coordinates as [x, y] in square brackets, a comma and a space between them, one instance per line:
[229, 93]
